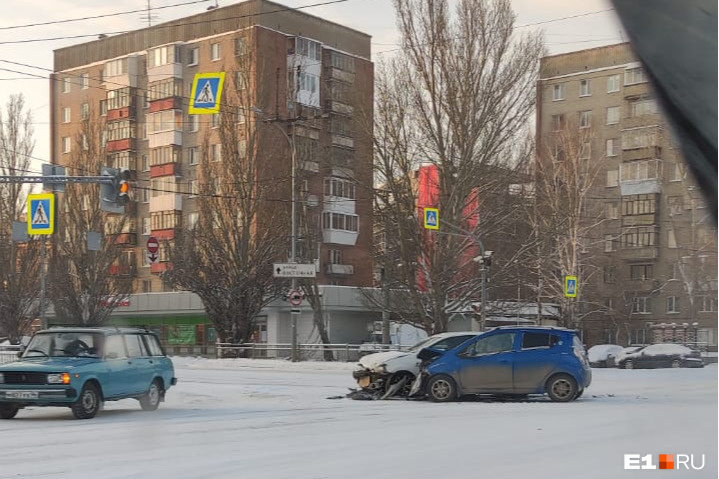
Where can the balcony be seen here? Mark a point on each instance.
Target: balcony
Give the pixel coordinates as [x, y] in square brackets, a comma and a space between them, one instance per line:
[648, 152]
[164, 234]
[337, 204]
[121, 113]
[163, 72]
[636, 90]
[342, 269]
[159, 267]
[165, 170]
[121, 270]
[125, 239]
[171, 103]
[341, 75]
[640, 177]
[164, 138]
[344, 141]
[338, 107]
[344, 237]
[121, 145]
[645, 252]
[168, 202]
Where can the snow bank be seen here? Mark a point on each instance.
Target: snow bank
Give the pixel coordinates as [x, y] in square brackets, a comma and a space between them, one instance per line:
[274, 364]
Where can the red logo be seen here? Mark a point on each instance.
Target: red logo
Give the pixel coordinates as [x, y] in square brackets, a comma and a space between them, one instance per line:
[666, 461]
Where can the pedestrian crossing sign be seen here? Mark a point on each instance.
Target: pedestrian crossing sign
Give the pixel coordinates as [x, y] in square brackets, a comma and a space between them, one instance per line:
[431, 218]
[206, 93]
[41, 214]
[570, 286]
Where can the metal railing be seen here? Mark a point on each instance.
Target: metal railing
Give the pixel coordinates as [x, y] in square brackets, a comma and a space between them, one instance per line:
[307, 352]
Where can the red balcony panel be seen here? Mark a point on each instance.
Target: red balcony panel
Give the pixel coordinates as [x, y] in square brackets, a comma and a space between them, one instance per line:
[163, 170]
[172, 103]
[120, 270]
[119, 113]
[159, 267]
[163, 235]
[125, 238]
[119, 145]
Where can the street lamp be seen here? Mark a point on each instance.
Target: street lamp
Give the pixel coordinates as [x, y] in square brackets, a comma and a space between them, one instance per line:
[293, 228]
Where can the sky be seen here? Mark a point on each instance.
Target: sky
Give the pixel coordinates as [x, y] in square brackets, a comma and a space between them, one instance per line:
[568, 25]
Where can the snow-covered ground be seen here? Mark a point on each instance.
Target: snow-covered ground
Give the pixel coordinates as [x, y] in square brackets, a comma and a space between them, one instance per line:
[274, 419]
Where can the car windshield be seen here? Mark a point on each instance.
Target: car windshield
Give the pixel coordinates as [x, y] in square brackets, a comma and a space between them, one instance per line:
[422, 344]
[64, 344]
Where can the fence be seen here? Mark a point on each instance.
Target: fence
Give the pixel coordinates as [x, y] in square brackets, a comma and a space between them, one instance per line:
[307, 352]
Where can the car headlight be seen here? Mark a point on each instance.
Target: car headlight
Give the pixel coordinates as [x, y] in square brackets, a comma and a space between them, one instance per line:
[58, 378]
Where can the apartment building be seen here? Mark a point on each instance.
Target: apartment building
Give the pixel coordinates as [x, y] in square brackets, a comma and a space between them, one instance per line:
[652, 267]
[287, 64]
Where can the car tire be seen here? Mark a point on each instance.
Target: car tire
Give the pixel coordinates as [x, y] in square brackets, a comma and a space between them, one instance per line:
[8, 410]
[629, 364]
[676, 363]
[562, 388]
[150, 401]
[442, 388]
[397, 377]
[88, 403]
[579, 393]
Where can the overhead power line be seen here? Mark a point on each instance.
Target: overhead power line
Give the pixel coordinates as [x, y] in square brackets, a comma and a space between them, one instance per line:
[173, 25]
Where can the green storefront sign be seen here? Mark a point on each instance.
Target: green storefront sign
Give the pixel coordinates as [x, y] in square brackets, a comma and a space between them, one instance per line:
[181, 334]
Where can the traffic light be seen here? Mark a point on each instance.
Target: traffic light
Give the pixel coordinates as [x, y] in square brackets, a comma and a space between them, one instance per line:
[114, 195]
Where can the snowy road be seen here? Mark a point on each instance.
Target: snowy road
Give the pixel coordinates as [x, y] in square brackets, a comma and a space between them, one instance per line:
[264, 419]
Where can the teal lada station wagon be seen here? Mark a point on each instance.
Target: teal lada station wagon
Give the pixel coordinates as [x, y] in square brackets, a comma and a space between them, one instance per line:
[80, 368]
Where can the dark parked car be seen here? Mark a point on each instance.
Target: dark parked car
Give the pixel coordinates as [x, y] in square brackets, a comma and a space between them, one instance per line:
[80, 368]
[665, 355]
[508, 361]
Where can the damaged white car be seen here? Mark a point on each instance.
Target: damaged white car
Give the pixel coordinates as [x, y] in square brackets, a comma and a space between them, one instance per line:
[391, 373]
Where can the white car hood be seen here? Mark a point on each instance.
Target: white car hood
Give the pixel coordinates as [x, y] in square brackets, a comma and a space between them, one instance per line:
[373, 361]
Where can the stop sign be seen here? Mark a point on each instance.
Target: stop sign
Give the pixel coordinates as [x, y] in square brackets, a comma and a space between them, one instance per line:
[152, 245]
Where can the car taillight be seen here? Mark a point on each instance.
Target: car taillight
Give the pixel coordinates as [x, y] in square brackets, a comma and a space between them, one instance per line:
[579, 353]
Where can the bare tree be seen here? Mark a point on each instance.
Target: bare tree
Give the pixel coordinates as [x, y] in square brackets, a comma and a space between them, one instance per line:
[20, 270]
[226, 258]
[87, 285]
[457, 98]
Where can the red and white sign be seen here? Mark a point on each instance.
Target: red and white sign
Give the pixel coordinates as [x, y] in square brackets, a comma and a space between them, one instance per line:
[295, 298]
[152, 245]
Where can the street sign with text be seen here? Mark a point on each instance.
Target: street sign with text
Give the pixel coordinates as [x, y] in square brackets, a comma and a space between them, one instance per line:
[293, 270]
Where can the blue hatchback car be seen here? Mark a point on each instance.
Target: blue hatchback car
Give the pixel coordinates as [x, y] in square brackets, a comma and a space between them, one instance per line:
[509, 361]
[80, 368]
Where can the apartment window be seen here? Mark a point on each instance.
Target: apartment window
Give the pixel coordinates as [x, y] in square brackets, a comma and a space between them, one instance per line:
[612, 178]
[675, 172]
[145, 195]
[557, 122]
[240, 46]
[610, 274]
[192, 219]
[613, 146]
[342, 62]
[164, 185]
[639, 237]
[242, 148]
[676, 270]
[585, 119]
[634, 75]
[120, 130]
[165, 55]
[119, 98]
[585, 87]
[676, 205]
[215, 120]
[241, 119]
[192, 188]
[215, 51]
[193, 56]
[643, 106]
[241, 80]
[115, 68]
[146, 226]
[608, 243]
[639, 138]
[613, 115]
[558, 92]
[640, 170]
[85, 81]
[339, 187]
[165, 220]
[707, 303]
[215, 152]
[613, 83]
[612, 210]
[672, 304]
[671, 239]
[641, 272]
[340, 221]
[164, 155]
[193, 156]
[85, 143]
[146, 283]
[66, 115]
[103, 107]
[193, 123]
[66, 144]
[641, 305]
[585, 151]
[171, 87]
[66, 85]
[85, 111]
[335, 256]
[639, 205]
[308, 48]
[309, 82]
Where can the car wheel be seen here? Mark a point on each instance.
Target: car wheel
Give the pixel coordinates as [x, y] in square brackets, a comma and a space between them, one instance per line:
[8, 411]
[88, 403]
[151, 400]
[579, 393]
[396, 378]
[441, 388]
[629, 364]
[676, 363]
[562, 388]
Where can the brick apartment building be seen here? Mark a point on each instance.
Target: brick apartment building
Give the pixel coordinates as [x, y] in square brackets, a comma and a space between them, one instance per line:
[289, 64]
[654, 249]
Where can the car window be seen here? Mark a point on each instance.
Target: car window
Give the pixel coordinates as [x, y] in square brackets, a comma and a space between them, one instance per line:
[115, 347]
[153, 345]
[531, 340]
[135, 346]
[452, 342]
[496, 343]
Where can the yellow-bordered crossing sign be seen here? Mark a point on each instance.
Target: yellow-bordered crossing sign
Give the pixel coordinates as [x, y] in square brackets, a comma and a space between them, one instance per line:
[431, 218]
[206, 93]
[41, 214]
[570, 286]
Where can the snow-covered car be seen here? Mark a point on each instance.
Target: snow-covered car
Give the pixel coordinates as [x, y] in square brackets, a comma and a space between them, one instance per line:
[663, 355]
[392, 372]
[599, 355]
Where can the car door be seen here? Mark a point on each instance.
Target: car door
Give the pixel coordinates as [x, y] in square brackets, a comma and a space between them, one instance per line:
[117, 380]
[141, 371]
[161, 365]
[534, 360]
[485, 365]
